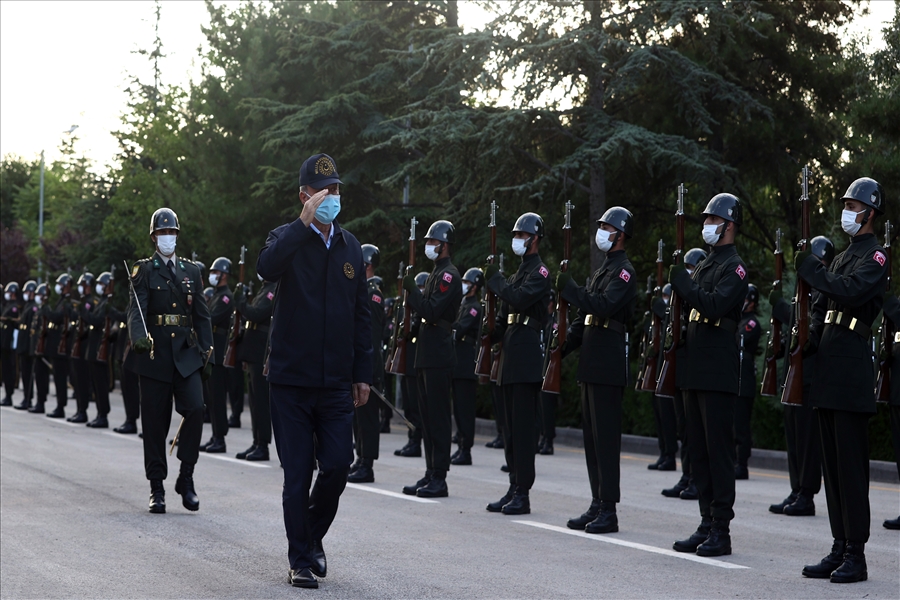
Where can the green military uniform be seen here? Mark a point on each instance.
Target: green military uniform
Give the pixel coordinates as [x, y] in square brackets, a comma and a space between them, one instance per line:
[252, 350]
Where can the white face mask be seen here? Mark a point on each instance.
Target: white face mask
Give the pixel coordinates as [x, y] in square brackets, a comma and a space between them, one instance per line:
[848, 222]
[214, 279]
[6, 297]
[665, 300]
[38, 300]
[26, 296]
[518, 246]
[80, 289]
[58, 289]
[466, 288]
[604, 240]
[166, 244]
[99, 289]
[431, 252]
[711, 234]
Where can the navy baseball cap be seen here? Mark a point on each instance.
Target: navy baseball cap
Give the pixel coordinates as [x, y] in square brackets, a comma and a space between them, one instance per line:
[319, 171]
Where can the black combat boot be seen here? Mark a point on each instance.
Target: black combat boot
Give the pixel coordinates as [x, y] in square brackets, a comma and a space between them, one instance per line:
[499, 504]
[411, 449]
[24, 405]
[436, 486]
[217, 447]
[827, 565]
[586, 517]
[853, 568]
[741, 472]
[37, 409]
[519, 505]
[243, 455]
[803, 506]
[126, 427]
[463, 458]
[57, 413]
[410, 490]
[363, 473]
[690, 492]
[497, 442]
[719, 541]
[260, 453]
[157, 496]
[547, 448]
[606, 521]
[778, 509]
[891, 523]
[674, 492]
[184, 486]
[698, 537]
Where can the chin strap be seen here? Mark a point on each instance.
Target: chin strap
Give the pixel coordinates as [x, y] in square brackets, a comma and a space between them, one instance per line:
[865, 220]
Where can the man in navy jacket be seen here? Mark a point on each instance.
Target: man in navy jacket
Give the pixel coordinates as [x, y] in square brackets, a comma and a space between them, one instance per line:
[320, 362]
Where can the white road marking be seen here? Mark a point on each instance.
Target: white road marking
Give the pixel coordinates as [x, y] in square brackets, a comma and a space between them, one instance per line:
[246, 463]
[366, 488]
[618, 542]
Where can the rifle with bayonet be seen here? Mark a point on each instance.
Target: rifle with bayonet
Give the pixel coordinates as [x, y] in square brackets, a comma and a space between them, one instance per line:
[395, 322]
[647, 376]
[773, 345]
[665, 386]
[888, 332]
[483, 363]
[793, 381]
[554, 365]
[398, 362]
[231, 351]
[103, 349]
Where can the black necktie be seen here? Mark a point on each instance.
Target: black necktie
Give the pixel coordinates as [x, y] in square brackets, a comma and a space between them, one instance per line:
[171, 266]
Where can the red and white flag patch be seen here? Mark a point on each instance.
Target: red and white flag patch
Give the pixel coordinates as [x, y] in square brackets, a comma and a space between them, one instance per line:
[625, 276]
[270, 295]
[880, 258]
[740, 271]
[376, 298]
[473, 312]
[447, 277]
[226, 299]
[543, 271]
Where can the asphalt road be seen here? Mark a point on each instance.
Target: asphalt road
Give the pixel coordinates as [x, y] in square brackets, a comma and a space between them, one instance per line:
[74, 524]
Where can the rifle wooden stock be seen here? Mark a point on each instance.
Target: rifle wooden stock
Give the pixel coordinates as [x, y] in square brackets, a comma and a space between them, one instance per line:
[484, 367]
[793, 381]
[666, 384]
[888, 330]
[552, 376]
[61, 349]
[76, 343]
[41, 345]
[398, 361]
[647, 377]
[769, 385]
[230, 359]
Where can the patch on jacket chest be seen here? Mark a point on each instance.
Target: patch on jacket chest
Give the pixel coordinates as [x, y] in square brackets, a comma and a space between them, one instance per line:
[349, 271]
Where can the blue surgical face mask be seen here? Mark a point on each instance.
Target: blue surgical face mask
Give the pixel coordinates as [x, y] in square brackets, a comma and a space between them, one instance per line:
[329, 209]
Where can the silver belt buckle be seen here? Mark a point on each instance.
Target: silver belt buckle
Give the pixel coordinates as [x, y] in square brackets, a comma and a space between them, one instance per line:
[510, 319]
[589, 320]
[173, 320]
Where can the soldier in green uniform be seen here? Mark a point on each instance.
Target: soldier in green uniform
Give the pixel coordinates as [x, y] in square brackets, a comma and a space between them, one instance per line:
[605, 307]
[747, 339]
[57, 345]
[168, 321]
[24, 348]
[466, 336]
[221, 308]
[713, 298]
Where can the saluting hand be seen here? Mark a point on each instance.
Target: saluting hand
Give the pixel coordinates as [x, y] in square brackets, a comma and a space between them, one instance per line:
[311, 206]
[360, 393]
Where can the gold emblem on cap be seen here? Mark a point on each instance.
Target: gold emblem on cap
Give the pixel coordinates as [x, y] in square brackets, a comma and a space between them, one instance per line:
[324, 167]
[349, 271]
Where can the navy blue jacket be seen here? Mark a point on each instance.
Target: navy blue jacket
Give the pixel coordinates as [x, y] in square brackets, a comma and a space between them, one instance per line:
[321, 328]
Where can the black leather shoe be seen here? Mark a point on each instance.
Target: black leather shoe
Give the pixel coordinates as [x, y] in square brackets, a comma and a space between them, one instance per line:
[410, 490]
[364, 474]
[519, 505]
[356, 464]
[827, 565]
[667, 464]
[803, 506]
[157, 497]
[675, 492]
[455, 438]
[217, 446]
[126, 427]
[741, 472]
[37, 409]
[6, 401]
[261, 453]
[234, 421]
[547, 448]
[690, 493]
[435, 488]
[891, 523]
[24, 405]
[497, 442]
[655, 465]
[778, 509]
[504, 468]
[698, 537]
[203, 447]
[463, 458]
[455, 454]
[78, 417]
[317, 554]
[719, 541]
[606, 521]
[413, 450]
[853, 568]
[499, 504]
[243, 455]
[184, 486]
[586, 517]
[302, 578]
[56, 413]
[99, 423]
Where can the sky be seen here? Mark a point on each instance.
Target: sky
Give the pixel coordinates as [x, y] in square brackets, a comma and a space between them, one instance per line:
[68, 63]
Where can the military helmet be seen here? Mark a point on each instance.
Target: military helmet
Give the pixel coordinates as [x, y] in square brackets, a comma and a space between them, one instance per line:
[222, 265]
[12, 287]
[421, 278]
[371, 255]
[87, 280]
[30, 286]
[64, 279]
[530, 223]
[164, 218]
[667, 290]
[752, 293]
[726, 206]
[620, 218]
[378, 281]
[694, 256]
[868, 191]
[822, 248]
[389, 303]
[104, 278]
[42, 290]
[475, 276]
[442, 231]
[209, 292]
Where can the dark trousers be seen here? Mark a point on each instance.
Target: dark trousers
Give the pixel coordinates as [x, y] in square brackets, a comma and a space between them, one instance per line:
[217, 400]
[464, 410]
[681, 428]
[311, 424]
[499, 411]
[100, 379]
[26, 364]
[260, 415]
[743, 435]
[548, 415]
[409, 387]
[235, 382]
[845, 462]
[804, 447]
[710, 428]
[666, 426]
[156, 408]
[367, 429]
[519, 431]
[10, 371]
[601, 422]
[895, 434]
[83, 388]
[41, 379]
[60, 380]
[437, 428]
[131, 394]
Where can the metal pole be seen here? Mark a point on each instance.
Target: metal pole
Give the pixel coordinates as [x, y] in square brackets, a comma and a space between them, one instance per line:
[41, 222]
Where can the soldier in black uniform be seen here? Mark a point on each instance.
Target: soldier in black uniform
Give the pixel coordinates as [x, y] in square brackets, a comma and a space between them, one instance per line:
[748, 334]
[24, 348]
[409, 383]
[167, 294]
[252, 351]
[663, 408]
[367, 418]
[548, 400]
[713, 298]
[39, 323]
[605, 307]
[466, 336]
[852, 290]
[83, 305]
[57, 344]
[130, 382]
[99, 369]
[9, 322]
[801, 426]
[437, 307]
[520, 321]
[221, 308]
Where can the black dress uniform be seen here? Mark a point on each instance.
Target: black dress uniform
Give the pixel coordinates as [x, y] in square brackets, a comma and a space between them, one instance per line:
[41, 369]
[78, 363]
[437, 307]
[520, 321]
[57, 349]
[892, 311]
[713, 298]
[409, 389]
[25, 351]
[9, 328]
[466, 337]
[685, 488]
[548, 401]
[171, 299]
[221, 308]
[663, 408]
[252, 350]
[129, 380]
[605, 307]
[367, 418]
[748, 334]
[99, 370]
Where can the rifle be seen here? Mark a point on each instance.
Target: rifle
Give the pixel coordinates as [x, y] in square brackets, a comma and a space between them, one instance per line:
[41, 344]
[554, 365]
[647, 376]
[79, 333]
[231, 351]
[395, 320]
[398, 362]
[644, 343]
[64, 332]
[665, 385]
[773, 345]
[483, 364]
[793, 381]
[495, 350]
[103, 349]
[888, 333]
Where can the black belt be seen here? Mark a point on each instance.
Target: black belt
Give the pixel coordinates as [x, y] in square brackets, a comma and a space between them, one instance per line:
[535, 324]
[254, 326]
[442, 323]
[833, 317]
[725, 323]
[595, 321]
[170, 320]
[467, 338]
